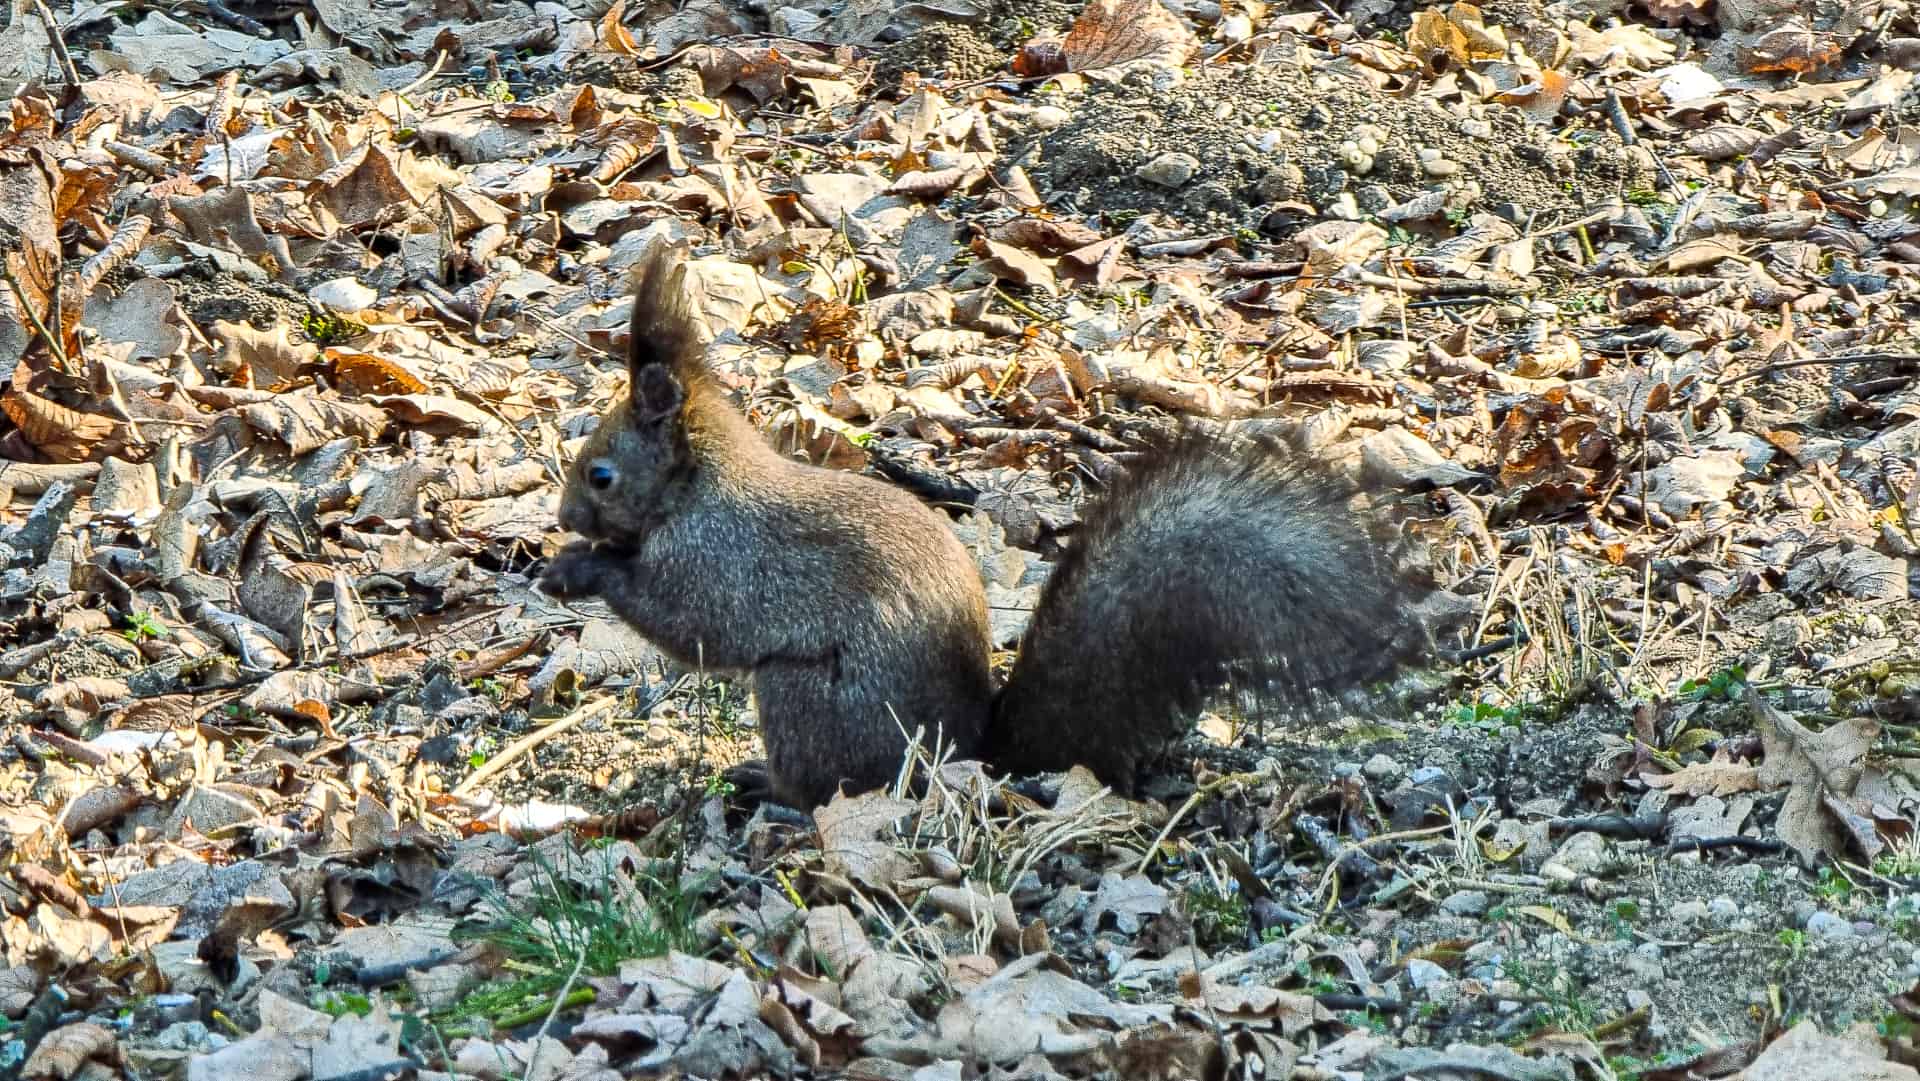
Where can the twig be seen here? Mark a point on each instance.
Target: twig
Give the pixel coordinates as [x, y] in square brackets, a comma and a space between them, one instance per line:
[54, 344]
[519, 748]
[1193, 801]
[1838, 358]
[67, 71]
[559, 1000]
[1708, 844]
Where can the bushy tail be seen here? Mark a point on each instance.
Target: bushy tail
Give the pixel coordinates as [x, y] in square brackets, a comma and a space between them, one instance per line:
[1227, 557]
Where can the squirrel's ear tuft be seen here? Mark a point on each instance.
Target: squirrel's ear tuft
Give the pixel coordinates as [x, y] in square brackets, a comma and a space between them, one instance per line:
[665, 342]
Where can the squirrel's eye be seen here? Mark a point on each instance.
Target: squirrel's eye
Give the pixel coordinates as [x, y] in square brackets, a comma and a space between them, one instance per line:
[600, 476]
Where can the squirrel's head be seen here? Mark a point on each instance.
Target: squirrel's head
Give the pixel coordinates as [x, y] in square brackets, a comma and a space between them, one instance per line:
[630, 473]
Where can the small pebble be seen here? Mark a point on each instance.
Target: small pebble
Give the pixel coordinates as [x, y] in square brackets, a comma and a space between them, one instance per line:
[1440, 170]
[1424, 974]
[1049, 117]
[1465, 903]
[1381, 768]
[343, 295]
[1476, 129]
[1643, 968]
[1580, 856]
[1828, 925]
[1690, 911]
[1723, 910]
[1787, 633]
[1169, 170]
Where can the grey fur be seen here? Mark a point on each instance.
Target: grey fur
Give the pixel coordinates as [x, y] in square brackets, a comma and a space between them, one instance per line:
[1228, 558]
[857, 612]
[847, 601]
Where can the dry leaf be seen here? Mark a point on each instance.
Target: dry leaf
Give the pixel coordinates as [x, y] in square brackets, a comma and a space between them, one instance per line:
[1110, 33]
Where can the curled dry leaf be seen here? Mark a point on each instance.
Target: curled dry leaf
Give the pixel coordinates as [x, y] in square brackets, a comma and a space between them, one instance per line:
[65, 1051]
[1720, 777]
[1812, 766]
[613, 33]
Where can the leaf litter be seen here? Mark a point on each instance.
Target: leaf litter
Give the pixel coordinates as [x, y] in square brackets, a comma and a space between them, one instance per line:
[304, 308]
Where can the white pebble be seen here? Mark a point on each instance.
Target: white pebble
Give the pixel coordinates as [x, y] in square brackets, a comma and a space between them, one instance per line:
[343, 295]
[1169, 170]
[1049, 117]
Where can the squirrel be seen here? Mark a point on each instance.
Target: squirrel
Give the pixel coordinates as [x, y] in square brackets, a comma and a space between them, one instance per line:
[860, 616]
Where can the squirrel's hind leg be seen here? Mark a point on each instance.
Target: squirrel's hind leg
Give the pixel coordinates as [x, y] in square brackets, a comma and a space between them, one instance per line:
[819, 736]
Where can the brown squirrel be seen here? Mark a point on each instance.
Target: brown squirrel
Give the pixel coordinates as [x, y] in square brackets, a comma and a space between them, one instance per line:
[860, 616]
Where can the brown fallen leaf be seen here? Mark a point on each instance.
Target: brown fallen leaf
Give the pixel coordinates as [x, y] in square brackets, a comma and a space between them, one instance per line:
[1720, 777]
[614, 36]
[1110, 33]
[1016, 265]
[1810, 765]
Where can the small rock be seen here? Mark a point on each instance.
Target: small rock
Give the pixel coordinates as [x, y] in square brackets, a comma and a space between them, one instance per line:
[1639, 1000]
[1424, 974]
[1381, 768]
[795, 22]
[188, 1036]
[1580, 856]
[1644, 968]
[1465, 903]
[1064, 906]
[1689, 911]
[1722, 910]
[1788, 633]
[1873, 626]
[1049, 117]
[1169, 170]
[1373, 198]
[1476, 129]
[1828, 925]
[1442, 169]
[1426, 776]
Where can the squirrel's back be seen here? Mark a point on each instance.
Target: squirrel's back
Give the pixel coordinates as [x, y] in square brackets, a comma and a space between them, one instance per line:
[1227, 557]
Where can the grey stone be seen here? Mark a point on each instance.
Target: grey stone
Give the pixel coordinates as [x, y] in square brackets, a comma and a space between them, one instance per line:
[1828, 925]
[1465, 903]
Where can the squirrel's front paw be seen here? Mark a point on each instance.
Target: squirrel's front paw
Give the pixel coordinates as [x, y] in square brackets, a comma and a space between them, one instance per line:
[579, 570]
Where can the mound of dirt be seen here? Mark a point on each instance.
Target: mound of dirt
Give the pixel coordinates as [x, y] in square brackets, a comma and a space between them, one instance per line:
[942, 50]
[1272, 134]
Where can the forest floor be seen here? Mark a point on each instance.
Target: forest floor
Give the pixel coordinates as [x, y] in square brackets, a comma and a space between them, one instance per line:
[306, 305]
